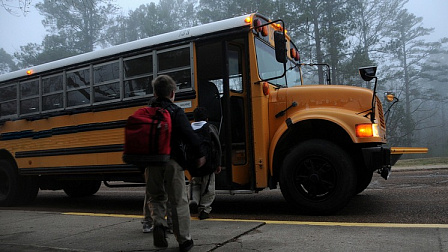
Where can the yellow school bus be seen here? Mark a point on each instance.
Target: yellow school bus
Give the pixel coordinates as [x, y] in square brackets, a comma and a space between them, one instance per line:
[62, 123]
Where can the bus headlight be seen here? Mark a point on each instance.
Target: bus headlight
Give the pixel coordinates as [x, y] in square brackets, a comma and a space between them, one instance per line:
[367, 130]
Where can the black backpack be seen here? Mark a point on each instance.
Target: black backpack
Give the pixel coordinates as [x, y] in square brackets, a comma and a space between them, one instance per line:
[207, 147]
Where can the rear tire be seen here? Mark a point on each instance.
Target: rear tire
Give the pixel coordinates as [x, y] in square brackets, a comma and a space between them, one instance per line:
[81, 188]
[318, 177]
[28, 190]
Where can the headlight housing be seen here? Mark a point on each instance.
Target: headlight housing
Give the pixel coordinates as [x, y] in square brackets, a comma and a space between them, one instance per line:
[367, 130]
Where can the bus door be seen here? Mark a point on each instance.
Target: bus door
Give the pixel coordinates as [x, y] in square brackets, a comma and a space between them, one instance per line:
[221, 76]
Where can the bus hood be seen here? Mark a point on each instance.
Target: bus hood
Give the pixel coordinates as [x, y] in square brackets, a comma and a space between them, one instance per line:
[344, 105]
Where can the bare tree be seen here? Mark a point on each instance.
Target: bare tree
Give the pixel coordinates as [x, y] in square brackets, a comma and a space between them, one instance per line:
[16, 7]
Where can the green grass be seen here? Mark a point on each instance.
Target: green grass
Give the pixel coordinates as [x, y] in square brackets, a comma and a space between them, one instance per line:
[422, 161]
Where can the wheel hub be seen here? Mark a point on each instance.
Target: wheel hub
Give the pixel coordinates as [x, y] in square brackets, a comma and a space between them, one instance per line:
[314, 178]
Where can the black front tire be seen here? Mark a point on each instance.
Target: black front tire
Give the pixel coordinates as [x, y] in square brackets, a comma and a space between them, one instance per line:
[364, 179]
[318, 177]
[15, 189]
[9, 184]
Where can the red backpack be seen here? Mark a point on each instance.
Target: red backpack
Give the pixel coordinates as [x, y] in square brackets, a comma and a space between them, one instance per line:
[147, 137]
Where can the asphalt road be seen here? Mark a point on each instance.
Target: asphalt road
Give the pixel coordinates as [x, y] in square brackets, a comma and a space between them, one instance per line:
[407, 197]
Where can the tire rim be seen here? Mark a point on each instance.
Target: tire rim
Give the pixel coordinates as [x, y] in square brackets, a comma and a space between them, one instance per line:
[315, 178]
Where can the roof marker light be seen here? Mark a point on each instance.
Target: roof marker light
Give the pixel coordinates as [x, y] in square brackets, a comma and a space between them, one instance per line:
[29, 72]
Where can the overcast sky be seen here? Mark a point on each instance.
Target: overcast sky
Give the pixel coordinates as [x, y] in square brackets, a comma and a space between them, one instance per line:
[19, 31]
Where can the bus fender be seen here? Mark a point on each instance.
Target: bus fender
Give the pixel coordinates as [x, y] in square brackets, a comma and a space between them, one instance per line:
[338, 117]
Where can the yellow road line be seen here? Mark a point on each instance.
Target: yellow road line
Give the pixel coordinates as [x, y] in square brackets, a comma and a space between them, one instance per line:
[309, 223]
[342, 224]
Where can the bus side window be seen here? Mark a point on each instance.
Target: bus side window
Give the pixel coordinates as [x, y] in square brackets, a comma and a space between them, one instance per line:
[78, 88]
[52, 92]
[177, 64]
[138, 74]
[29, 97]
[8, 100]
[106, 82]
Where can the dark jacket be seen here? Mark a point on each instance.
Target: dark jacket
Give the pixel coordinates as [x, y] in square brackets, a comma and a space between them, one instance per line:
[181, 133]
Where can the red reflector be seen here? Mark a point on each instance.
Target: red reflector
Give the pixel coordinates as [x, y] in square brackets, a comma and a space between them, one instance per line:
[265, 88]
[293, 53]
[297, 58]
[264, 31]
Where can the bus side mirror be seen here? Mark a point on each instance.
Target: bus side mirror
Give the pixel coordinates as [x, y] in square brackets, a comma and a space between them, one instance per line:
[280, 46]
[367, 73]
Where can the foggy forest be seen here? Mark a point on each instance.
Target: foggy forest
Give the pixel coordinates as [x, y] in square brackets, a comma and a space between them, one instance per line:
[345, 34]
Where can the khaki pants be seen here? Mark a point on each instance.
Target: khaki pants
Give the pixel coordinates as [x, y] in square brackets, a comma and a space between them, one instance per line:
[168, 182]
[203, 192]
[147, 212]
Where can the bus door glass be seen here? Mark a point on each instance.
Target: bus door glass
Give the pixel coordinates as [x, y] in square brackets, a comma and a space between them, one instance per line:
[221, 91]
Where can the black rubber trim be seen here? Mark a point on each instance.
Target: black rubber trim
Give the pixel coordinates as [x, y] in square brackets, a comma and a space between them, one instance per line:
[70, 151]
[69, 170]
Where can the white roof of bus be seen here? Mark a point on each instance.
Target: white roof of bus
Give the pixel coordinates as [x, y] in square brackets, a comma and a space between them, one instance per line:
[158, 39]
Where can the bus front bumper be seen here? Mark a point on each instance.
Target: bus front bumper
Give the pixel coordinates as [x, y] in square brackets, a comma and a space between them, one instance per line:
[383, 158]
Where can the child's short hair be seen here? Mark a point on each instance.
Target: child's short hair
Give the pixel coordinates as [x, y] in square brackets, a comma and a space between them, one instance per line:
[163, 85]
[200, 114]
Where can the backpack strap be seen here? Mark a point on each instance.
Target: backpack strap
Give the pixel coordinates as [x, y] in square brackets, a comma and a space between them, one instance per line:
[172, 108]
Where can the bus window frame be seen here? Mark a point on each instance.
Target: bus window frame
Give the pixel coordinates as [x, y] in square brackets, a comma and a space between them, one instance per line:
[61, 92]
[140, 76]
[15, 85]
[30, 97]
[90, 88]
[275, 79]
[240, 74]
[258, 54]
[67, 90]
[95, 84]
[177, 69]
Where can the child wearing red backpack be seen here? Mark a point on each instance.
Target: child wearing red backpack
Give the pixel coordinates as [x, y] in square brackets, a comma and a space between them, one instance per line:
[166, 181]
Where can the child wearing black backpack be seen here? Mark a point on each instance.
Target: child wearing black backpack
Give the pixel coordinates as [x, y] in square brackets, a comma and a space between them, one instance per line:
[202, 186]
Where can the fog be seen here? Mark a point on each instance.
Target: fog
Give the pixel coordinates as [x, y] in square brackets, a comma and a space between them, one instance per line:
[19, 30]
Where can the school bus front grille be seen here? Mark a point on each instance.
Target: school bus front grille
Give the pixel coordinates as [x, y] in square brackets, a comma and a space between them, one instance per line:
[379, 106]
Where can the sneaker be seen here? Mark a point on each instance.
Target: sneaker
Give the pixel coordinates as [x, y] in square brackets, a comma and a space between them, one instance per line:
[193, 207]
[186, 246]
[147, 228]
[159, 235]
[203, 215]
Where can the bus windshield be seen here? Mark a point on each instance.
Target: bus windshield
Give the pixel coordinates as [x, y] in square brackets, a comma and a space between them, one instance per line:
[269, 67]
